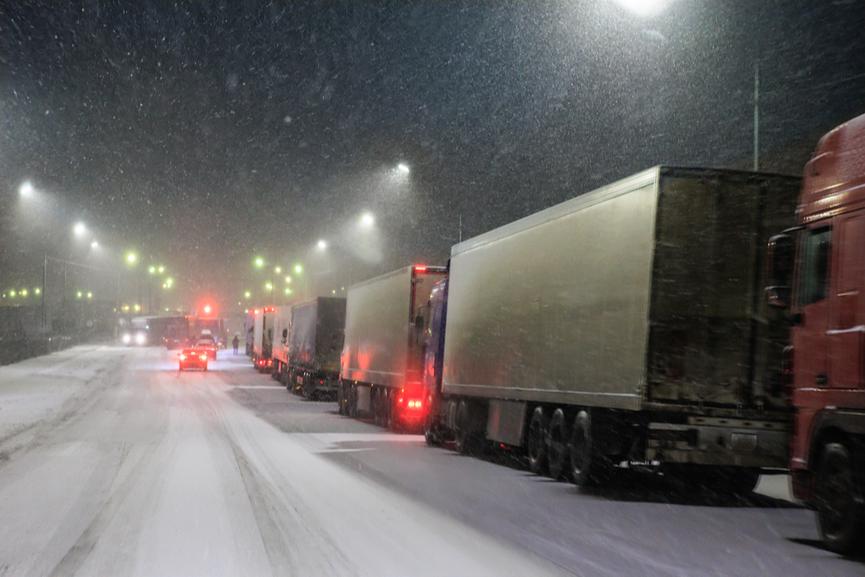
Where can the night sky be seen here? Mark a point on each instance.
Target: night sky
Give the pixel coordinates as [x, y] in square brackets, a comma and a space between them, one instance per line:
[205, 133]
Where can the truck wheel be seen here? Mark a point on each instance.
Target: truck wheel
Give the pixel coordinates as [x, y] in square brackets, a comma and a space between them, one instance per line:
[840, 509]
[588, 466]
[430, 432]
[536, 443]
[464, 438]
[557, 445]
[352, 402]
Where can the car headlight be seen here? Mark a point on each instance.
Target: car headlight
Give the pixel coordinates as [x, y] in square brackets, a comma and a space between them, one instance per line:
[140, 338]
[126, 338]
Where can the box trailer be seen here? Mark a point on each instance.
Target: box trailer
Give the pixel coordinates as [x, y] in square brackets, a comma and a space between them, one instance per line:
[315, 346]
[262, 343]
[381, 364]
[281, 323]
[626, 324]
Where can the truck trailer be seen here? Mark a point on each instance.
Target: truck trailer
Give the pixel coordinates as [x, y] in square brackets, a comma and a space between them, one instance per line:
[315, 345]
[818, 277]
[626, 325]
[262, 340]
[279, 347]
[381, 363]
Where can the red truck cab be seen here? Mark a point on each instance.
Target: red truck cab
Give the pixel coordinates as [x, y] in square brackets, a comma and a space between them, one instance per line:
[826, 364]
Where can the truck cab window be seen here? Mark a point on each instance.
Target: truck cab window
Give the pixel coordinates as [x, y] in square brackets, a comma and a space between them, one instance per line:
[816, 252]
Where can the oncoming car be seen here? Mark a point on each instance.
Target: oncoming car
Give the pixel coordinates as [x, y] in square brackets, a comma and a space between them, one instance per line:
[192, 359]
[134, 337]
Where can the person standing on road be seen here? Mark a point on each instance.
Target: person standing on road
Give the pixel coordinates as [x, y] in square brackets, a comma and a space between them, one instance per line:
[235, 342]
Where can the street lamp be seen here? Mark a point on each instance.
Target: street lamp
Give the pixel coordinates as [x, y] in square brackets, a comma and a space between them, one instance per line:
[26, 189]
[321, 245]
[247, 295]
[277, 270]
[287, 290]
[367, 220]
[268, 286]
[94, 245]
[79, 229]
[151, 270]
[131, 258]
[403, 168]
[645, 8]
[258, 262]
[298, 268]
[160, 269]
[287, 280]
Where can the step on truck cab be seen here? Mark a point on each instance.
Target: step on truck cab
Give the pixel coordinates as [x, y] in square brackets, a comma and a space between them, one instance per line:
[627, 324]
[817, 272]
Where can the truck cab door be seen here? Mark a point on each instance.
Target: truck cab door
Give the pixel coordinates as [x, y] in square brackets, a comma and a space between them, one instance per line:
[846, 332]
[810, 345]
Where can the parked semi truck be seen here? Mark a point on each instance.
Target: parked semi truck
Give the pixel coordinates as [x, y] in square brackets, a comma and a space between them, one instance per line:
[262, 340]
[823, 259]
[381, 363]
[315, 345]
[624, 325]
[279, 347]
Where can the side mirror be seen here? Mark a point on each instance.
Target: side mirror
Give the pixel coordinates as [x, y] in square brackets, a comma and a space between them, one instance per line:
[779, 270]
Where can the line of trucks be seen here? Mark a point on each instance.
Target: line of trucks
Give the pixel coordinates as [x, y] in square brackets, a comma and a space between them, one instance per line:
[710, 323]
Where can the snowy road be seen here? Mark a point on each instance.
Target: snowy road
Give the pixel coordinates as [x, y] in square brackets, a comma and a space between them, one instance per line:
[113, 463]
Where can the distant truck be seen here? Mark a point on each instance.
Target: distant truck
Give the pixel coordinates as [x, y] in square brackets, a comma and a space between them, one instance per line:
[823, 260]
[627, 324]
[381, 365]
[279, 349]
[262, 339]
[315, 342]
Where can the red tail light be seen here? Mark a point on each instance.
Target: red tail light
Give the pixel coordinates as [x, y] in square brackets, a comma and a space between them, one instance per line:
[420, 268]
[417, 405]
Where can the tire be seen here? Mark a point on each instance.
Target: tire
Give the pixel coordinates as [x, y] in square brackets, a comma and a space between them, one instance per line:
[838, 500]
[431, 431]
[589, 467]
[536, 442]
[557, 440]
[340, 398]
[352, 402]
[464, 439]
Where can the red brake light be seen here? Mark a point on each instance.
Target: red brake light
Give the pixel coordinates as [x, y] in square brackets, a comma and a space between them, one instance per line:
[420, 268]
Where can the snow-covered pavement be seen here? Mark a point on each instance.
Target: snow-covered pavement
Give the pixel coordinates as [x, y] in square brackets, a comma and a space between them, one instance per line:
[113, 463]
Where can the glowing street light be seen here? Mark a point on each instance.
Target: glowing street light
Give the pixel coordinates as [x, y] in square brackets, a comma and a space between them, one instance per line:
[645, 8]
[89, 296]
[136, 308]
[403, 168]
[160, 269]
[26, 189]
[367, 220]
[258, 262]
[169, 282]
[208, 309]
[298, 268]
[268, 286]
[94, 245]
[79, 295]
[287, 290]
[287, 280]
[151, 270]
[321, 245]
[131, 258]
[23, 293]
[13, 293]
[37, 291]
[247, 295]
[277, 270]
[79, 229]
